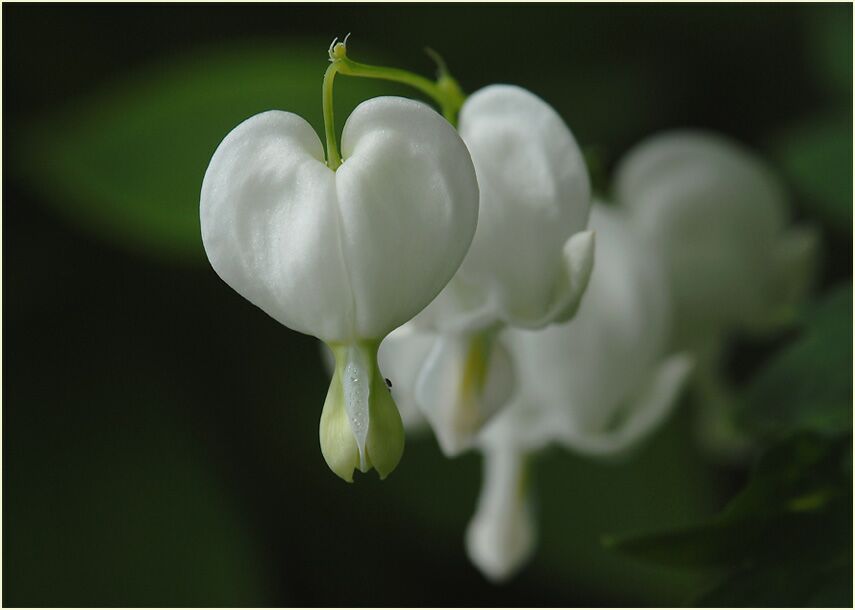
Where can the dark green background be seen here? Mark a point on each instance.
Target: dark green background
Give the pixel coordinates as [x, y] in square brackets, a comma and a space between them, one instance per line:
[160, 434]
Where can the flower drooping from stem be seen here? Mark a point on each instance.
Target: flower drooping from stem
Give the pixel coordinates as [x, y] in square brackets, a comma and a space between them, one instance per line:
[346, 248]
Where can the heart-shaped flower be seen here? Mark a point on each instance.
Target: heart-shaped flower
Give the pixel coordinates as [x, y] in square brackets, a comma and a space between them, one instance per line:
[719, 216]
[531, 256]
[345, 255]
[528, 265]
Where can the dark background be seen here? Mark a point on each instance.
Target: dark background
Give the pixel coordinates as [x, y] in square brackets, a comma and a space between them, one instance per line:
[160, 434]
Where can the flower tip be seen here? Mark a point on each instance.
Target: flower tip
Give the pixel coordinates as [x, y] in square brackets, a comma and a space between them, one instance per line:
[338, 50]
[360, 424]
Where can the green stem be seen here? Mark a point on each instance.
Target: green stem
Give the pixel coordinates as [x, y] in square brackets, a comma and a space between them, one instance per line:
[445, 91]
[448, 100]
[333, 156]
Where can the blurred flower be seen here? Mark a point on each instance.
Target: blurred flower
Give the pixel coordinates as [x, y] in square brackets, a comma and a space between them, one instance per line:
[597, 385]
[344, 255]
[719, 218]
[528, 265]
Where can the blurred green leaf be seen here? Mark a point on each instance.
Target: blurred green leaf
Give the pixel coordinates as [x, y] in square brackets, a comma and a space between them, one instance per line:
[792, 481]
[817, 156]
[784, 537]
[830, 48]
[128, 162]
[808, 384]
[780, 585]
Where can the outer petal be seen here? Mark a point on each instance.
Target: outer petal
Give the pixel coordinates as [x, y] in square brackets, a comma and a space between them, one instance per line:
[535, 195]
[642, 414]
[348, 254]
[718, 215]
[409, 206]
[270, 224]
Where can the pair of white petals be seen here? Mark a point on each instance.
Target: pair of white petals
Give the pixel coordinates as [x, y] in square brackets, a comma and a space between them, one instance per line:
[348, 254]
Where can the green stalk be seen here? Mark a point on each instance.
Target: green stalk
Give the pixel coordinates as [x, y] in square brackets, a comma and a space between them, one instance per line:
[445, 92]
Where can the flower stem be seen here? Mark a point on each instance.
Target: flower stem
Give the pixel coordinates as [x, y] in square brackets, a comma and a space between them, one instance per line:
[448, 100]
[445, 91]
[333, 156]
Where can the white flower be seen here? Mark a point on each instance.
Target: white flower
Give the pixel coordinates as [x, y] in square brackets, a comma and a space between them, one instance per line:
[345, 255]
[597, 385]
[529, 262]
[719, 217]
[531, 256]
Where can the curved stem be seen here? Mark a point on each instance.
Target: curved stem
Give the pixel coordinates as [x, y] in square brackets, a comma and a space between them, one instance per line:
[445, 91]
[333, 156]
[448, 99]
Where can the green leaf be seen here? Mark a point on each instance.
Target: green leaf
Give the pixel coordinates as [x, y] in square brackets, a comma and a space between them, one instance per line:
[817, 157]
[808, 384]
[127, 163]
[793, 502]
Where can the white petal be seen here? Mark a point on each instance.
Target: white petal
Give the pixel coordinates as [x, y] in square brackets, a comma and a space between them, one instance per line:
[347, 254]
[645, 411]
[409, 206]
[502, 534]
[576, 379]
[718, 215]
[401, 357]
[466, 379]
[270, 224]
[535, 194]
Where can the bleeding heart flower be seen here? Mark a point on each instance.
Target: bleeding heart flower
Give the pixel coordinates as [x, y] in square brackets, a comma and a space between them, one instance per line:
[719, 216]
[345, 255]
[528, 265]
